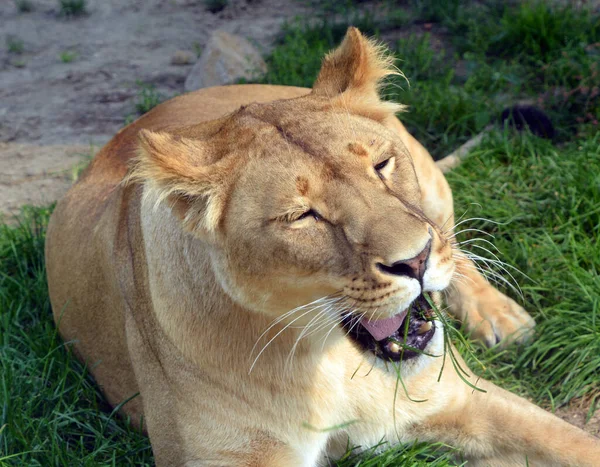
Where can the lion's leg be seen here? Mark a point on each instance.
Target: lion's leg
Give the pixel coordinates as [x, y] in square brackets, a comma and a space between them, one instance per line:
[489, 314]
[433, 404]
[497, 428]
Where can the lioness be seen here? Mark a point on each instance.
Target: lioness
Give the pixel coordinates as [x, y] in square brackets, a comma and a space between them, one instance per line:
[259, 281]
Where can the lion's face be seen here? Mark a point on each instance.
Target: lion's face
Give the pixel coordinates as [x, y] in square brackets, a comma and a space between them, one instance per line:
[308, 199]
[331, 207]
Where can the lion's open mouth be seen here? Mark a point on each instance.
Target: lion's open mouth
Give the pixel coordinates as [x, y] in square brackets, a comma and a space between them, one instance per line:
[400, 337]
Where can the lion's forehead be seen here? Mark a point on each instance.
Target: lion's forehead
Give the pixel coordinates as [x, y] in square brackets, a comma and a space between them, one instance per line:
[314, 130]
[313, 154]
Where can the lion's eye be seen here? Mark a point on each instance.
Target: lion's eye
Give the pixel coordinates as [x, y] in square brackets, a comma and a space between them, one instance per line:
[384, 169]
[309, 213]
[379, 167]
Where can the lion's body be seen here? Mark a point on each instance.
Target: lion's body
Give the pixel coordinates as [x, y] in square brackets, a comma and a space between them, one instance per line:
[151, 308]
[89, 250]
[104, 261]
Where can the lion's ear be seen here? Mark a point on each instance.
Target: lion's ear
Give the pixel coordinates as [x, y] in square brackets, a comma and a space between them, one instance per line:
[181, 171]
[352, 74]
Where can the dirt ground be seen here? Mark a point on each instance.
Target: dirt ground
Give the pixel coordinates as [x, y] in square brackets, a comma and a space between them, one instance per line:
[576, 414]
[52, 113]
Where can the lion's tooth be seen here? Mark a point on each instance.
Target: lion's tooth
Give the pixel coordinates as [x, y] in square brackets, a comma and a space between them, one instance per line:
[426, 326]
[393, 347]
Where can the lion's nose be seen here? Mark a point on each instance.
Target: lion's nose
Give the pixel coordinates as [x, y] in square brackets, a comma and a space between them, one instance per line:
[413, 267]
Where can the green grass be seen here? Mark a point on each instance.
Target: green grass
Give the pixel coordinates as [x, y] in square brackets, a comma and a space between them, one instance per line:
[547, 201]
[67, 56]
[15, 45]
[433, 11]
[544, 194]
[72, 7]
[557, 66]
[539, 32]
[51, 412]
[197, 48]
[214, 6]
[24, 6]
[146, 99]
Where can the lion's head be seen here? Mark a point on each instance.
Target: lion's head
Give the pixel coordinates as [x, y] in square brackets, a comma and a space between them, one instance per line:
[309, 198]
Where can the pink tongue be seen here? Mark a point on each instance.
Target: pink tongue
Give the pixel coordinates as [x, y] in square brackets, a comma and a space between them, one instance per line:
[383, 328]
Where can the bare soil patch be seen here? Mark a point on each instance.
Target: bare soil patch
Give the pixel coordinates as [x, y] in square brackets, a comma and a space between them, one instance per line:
[37, 175]
[50, 102]
[576, 413]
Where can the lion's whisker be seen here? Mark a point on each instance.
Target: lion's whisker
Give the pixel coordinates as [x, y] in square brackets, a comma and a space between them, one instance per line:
[332, 318]
[477, 239]
[286, 315]
[335, 324]
[479, 219]
[275, 336]
[502, 263]
[497, 278]
[459, 278]
[499, 264]
[470, 230]
[301, 335]
[315, 305]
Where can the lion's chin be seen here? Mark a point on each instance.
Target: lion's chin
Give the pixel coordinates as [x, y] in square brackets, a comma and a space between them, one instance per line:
[401, 337]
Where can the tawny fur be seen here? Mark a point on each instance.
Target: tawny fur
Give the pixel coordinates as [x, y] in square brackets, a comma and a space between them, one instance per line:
[174, 280]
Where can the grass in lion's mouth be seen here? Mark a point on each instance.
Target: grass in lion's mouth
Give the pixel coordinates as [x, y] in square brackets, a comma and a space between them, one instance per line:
[546, 198]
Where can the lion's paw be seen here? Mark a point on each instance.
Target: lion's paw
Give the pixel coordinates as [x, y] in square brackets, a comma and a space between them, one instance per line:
[494, 318]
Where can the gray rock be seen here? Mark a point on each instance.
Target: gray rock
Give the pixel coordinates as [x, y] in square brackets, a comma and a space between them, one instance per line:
[181, 57]
[225, 59]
